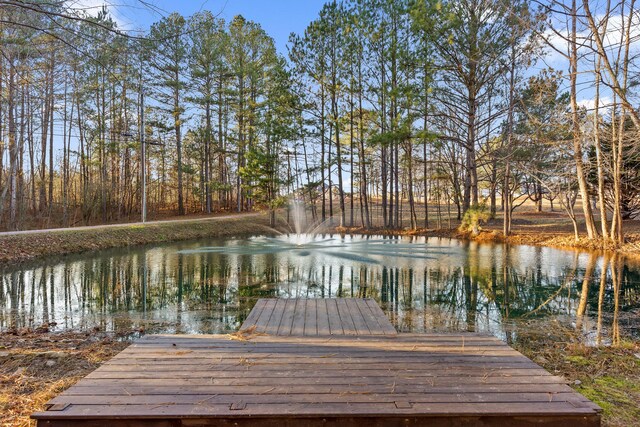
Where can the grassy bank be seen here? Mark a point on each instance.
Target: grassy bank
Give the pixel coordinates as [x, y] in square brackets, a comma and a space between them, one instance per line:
[22, 247]
[529, 228]
[630, 249]
[608, 375]
[35, 366]
[550, 229]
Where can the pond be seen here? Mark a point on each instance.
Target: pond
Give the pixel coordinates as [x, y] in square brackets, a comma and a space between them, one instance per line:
[423, 284]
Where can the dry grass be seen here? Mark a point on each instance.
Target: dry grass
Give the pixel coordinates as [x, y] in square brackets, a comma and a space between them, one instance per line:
[245, 334]
[36, 366]
[529, 227]
[608, 375]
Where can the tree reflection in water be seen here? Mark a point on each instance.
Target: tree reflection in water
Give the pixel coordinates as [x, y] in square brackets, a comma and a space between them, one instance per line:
[423, 285]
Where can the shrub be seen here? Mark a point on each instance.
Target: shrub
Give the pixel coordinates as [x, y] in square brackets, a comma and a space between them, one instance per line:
[472, 218]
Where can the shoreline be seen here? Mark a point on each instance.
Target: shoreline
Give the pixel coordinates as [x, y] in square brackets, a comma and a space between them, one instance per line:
[19, 247]
[557, 240]
[16, 248]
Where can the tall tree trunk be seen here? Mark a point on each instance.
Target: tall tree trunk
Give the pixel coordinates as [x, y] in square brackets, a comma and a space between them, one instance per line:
[351, 150]
[43, 145]
[207, 158]
[241, 147]
[383, 160]
[619, 233]
[470, 195]
[412, 206]
[13, 148]
[592, 231]
[425, 129]
[65, 155]
[178, 129]
[334, 102]
[103, 147]
[312, 198]
[329, 174]
[20, 141]
[322, 152]
[507, 198]
[32, 166]
[51, 110]
[362, 154]
[222, 196]
[599, 160]
[617, 151]
[425, 183]
[2, 145]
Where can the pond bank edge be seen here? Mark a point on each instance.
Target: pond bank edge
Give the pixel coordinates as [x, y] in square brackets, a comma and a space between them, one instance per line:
[19, 248]
[553, 240]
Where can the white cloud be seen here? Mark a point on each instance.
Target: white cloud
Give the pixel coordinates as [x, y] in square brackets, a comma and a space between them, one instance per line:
[604, 103]
[94, 7]
[616, 28]
[558, 38]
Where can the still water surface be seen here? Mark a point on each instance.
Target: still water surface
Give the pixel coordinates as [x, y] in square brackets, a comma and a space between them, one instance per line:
[423, 284]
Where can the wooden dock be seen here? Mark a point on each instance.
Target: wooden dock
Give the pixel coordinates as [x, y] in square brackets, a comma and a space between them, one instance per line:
[311, 317]
[321, 376]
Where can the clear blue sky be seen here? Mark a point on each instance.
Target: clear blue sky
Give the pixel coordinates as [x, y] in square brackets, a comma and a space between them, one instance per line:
[277, 17]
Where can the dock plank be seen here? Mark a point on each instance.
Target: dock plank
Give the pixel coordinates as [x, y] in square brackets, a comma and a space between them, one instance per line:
[358, 319]
[322, 313]
[254, 314]
[327, 409]
[375, 325]
[265, 315]
[287, 317]
[335, 325]
[299, 316]
[277, 313]
[305, 398]
[310, 318]
[348, 325]
[380, 317]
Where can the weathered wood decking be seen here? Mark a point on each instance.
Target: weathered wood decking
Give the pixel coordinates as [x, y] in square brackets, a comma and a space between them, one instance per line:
[310, 317]
[319, 380]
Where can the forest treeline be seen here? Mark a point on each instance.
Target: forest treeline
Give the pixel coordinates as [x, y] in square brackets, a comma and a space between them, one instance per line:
[397, 106]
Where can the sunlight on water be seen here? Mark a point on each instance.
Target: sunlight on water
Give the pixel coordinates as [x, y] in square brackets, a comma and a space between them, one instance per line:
[369, 251]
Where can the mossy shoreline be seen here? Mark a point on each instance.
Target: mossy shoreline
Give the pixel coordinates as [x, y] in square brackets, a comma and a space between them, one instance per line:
[18, 248]
[608, 375]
